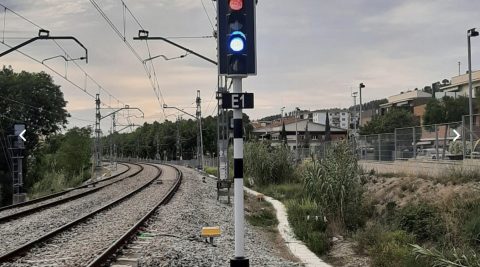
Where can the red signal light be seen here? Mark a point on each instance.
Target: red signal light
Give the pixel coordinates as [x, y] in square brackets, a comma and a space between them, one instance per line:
[236, 4]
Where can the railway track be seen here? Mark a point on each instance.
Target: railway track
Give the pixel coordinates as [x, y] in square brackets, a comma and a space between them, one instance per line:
[87, 240]
[23, 209]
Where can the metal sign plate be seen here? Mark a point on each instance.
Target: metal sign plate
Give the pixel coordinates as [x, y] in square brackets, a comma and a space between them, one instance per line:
[237, 100]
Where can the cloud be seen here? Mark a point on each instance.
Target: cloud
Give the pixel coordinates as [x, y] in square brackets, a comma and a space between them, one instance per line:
[310, 54]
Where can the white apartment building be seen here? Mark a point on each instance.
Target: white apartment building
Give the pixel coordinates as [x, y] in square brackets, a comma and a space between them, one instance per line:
[339, 118]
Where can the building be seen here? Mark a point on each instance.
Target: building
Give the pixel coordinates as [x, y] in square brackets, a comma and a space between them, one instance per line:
[316, 132]
[458, 86]
[407, 100]
[339, 118]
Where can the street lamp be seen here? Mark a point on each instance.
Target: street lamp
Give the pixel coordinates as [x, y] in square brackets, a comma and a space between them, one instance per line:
[296, 132]
[360, 86]
[470, 33]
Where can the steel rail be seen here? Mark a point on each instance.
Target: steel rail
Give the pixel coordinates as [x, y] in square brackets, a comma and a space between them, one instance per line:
[40, 199]
[109, 253]
[24, 248]
[63, 200]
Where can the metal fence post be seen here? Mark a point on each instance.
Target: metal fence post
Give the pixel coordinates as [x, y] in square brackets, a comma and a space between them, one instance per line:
[414, 144]
[395, 144]
[436, 142]
[463, 138]
[379, 147]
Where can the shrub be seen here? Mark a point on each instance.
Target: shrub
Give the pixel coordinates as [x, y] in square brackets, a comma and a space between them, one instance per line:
[422, 220]
[392, 250]
[308, 224]
[211, 170]
[266, 164]
[471, 225]
[334, 184]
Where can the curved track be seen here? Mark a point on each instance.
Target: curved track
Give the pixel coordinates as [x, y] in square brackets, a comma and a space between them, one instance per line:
[36, 205]
[54, 195]
[88, 239]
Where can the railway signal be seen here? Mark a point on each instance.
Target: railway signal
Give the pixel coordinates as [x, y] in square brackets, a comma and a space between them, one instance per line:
[237, 60]
[236, 37]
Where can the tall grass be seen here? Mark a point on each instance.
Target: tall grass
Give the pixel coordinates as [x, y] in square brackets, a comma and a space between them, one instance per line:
[334, 184]
[266, 165]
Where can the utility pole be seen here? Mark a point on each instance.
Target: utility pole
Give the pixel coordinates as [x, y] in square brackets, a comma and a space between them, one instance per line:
[459, 71]
[470, 33]
[97, 148]
[178, 140]
[354, 94]
[200, 134]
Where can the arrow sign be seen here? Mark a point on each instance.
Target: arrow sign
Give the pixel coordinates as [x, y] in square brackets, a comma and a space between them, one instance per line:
[456, 137]
[21, 135]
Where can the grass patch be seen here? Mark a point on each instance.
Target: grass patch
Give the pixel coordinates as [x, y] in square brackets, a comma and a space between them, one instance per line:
[308, 224]
[282, 192]
[261, 214]
[211, 170]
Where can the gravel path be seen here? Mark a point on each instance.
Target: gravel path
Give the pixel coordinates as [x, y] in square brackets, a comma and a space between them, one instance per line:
[177, 228]
[120, 168]
[20, 231]
[84, 242]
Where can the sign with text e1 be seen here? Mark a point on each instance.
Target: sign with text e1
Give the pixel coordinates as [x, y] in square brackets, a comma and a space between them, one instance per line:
[237, 100]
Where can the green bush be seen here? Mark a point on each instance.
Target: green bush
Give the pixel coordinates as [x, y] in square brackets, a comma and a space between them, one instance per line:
[422, 220]
[471, 225]
[334, 184]
[308, 224]
[393, 250]
[211, 170]
[282, 191]
[265, 164]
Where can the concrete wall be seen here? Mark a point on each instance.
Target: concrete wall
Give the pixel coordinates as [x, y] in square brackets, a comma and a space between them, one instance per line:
[420, 168]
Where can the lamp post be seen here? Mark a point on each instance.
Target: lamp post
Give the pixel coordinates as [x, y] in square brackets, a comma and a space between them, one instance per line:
[360, 86]
[470, 33]
[296, 133]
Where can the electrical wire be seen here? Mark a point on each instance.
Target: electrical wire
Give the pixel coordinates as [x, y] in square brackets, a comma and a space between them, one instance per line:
[67, 55]
[208, 16]
[41, 109]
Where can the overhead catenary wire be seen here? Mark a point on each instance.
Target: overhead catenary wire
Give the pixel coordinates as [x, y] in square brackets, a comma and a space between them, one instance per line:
[208, 16]
[153, 78]
[64, 51]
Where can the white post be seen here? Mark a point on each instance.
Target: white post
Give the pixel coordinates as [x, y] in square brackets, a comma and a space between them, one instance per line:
[238, 174]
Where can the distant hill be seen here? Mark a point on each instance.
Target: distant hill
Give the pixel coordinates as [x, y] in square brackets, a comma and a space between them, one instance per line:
[374, 104]
[270, 118]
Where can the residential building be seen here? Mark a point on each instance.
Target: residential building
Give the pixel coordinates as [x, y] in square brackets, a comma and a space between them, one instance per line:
[459, 85]
[316, 132]
[407, 100]
[339, 118]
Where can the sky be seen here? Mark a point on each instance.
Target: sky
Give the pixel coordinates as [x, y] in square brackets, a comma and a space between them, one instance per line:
[310, 54]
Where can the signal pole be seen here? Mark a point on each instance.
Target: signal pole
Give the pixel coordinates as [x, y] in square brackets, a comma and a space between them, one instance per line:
[200, 134]
[97, 150]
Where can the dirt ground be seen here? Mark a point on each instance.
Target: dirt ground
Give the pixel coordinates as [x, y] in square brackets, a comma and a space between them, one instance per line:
[404, 190]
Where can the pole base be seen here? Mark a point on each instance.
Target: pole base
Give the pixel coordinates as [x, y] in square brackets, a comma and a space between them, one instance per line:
[239, 262]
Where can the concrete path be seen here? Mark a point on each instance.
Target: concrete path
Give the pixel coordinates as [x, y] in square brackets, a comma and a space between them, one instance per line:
[296, 246]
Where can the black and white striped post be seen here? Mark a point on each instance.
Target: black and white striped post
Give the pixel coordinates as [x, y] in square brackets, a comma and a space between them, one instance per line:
[240, 259]
[238, 101]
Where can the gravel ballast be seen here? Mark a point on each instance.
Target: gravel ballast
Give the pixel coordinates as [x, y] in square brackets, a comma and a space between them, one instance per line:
[82, 243]
[20, 231]
[176, 228]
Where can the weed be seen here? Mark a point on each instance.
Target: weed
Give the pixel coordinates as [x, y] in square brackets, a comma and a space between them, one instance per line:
[422, 220]
[211, 170]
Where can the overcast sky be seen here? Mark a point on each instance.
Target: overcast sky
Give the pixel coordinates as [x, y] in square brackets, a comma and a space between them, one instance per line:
[311, 53]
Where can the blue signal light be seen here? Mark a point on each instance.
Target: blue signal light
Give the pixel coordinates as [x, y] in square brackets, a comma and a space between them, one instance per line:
[237, 41]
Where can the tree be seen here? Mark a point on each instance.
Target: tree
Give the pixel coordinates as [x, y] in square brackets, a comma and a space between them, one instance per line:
[446, 111]
[283, 135]
[328, 136]
[306, 138]
[33, 99]
[395, 118]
